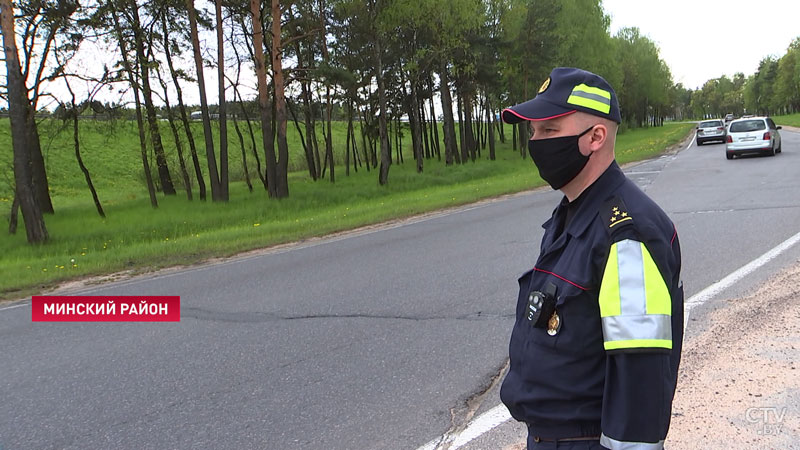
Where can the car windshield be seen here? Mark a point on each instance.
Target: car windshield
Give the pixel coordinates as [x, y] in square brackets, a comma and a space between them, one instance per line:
[710, 124]
[747, 125]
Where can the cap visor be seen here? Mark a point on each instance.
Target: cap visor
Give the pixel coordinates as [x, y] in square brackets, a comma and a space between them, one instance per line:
[534, 109]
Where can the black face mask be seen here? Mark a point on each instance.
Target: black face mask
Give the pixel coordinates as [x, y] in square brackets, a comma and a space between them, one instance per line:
[559, 159]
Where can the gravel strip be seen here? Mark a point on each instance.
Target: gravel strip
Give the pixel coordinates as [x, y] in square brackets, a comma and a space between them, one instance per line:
[739, 383]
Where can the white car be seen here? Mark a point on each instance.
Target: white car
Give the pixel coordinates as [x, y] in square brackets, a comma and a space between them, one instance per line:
[710, 130]
[754, 135]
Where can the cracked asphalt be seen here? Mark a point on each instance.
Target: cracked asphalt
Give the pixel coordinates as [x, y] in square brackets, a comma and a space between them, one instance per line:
[384, 338]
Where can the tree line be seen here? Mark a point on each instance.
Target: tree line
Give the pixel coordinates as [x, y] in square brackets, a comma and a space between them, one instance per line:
[382, 66]
[773, 89]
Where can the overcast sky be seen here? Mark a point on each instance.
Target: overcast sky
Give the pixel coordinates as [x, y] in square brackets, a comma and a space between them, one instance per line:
[701, 40]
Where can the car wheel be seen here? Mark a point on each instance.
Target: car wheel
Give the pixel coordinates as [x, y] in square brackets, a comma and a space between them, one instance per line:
[728, 155]
[771, 151]
[779, 148]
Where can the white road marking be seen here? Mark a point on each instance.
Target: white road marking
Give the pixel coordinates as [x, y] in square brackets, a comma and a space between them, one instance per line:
[15, 306]
[692, 141]
[480, 425]
[711, 291]
[499, 414]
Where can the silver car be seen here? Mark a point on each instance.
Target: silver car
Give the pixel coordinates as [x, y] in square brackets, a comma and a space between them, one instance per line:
[754, 135]
[710, 130]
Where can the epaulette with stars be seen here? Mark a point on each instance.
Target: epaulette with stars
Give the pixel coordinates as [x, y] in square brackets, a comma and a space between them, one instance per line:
[615, 215]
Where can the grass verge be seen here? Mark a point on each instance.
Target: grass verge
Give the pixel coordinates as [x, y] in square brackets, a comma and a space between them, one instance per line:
[792, 120]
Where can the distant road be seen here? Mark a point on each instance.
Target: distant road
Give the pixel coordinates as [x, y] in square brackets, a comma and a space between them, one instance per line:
[367, 341]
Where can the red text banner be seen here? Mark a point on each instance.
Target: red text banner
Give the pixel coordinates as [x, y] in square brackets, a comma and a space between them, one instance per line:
[106, 308]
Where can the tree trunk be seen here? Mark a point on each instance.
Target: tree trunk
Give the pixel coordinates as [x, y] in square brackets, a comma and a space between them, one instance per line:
[86, 175]
[282, 188]
[500, 127]
[363, 138]
[328, 100]
[416, 126]
[490, 130]
[386, 157]
[41, 187]
[211, 158]
[423, 121]
[307, 149]
[469, 134]
[152, 118]
[347, 147]
[244, 154]
[450, 145]
[139, 120]
[223, 108]
[12, 216]
[264, 105]
[435, 129]
[201, 184]
[187, 184]
[18, 106]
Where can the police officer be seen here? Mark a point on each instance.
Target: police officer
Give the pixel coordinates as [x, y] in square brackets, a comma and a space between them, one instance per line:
[599, 323]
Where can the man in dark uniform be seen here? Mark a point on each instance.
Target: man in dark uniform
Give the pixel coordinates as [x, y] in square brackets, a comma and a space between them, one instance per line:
[597, 339]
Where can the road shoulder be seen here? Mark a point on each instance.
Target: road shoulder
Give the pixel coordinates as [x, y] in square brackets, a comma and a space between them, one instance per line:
[739, 382]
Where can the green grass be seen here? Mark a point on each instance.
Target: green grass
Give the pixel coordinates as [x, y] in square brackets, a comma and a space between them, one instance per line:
[792, 120]
[135, 236]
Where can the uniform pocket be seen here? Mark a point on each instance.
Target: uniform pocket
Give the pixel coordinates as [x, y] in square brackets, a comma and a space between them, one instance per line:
[581, 329]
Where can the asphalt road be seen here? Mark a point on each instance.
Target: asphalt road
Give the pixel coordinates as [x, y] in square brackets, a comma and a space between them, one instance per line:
[374, 340]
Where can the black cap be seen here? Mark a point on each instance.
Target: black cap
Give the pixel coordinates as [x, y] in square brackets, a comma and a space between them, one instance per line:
[565, 91]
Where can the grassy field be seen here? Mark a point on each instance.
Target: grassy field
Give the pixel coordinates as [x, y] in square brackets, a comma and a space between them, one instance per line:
[135, 236]
[792, 120]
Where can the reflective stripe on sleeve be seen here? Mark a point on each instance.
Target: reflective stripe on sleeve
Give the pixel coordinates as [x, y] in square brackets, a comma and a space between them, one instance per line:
[635, 305]
[614, 444]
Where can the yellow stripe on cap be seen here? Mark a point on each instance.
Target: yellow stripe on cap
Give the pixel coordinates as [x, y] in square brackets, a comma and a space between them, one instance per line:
[591, 97]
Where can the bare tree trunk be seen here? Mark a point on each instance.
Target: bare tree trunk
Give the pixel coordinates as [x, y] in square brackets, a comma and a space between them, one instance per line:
[139, 120]
[237, 97]
[18, 106]
[307, 150]
[461, 128]
[152, 118]
[468, 131]
[347, 149]
[280, 103]
[450, 144]
[435, 129]
[86, 175]
[211, 158]
[386, 157]
[363, 138]
[264, 105]
[201, 183]
[41, 187]
[223, 118]
[328, 99]
[490, 129]
[244, 154]
[423, 121]
[416, 126]
[12, 216]
[187, 184]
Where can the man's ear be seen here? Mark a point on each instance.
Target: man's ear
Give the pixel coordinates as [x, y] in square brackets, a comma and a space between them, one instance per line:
[597, 137]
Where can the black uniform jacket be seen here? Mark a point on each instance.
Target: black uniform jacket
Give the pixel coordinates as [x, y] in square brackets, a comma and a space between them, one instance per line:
[580, 382]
